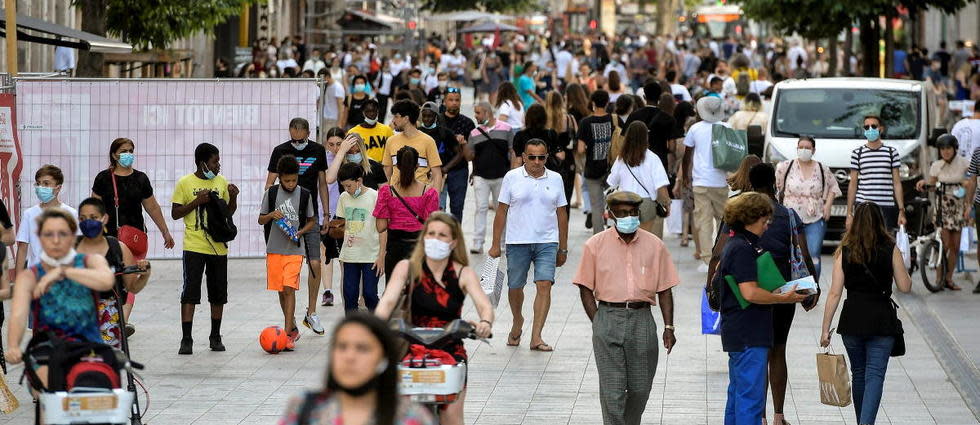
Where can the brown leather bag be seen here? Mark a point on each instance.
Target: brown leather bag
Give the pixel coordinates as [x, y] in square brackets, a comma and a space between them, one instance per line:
[335, 228]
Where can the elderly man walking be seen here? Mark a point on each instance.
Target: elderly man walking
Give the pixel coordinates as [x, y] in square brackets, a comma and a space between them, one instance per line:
[622, 268]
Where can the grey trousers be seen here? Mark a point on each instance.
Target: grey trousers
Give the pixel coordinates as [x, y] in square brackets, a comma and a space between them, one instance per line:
[626, 349]
[598, 201]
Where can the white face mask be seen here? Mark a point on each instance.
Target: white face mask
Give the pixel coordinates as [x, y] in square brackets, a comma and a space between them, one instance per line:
[804, 154]
[67, 260]
[437, 249]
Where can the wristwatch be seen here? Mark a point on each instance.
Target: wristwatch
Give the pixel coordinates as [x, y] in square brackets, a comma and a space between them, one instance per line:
[563, 251]
[671, 327]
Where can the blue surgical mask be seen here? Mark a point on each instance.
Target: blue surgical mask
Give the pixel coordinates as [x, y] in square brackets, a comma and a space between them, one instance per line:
[627, 225]
[357, 192]
[355, 157]
[360, 88]
[370, 121]
[208, 174]
[299, 144]
[414, 80]
[430, 126]
[45, 194]
[485, 122]
[872, 134]
[90, 228]
[126, 159]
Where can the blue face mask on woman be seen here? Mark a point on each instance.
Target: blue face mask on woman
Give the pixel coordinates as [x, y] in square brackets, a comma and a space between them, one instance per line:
[126, 159]
[90, 228]
[627, 225]
[355, 157]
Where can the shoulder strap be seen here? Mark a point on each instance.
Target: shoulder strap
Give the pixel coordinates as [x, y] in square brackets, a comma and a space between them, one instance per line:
[304, 202]
[115, 195]
[402, 200]
[630, 169]
[490, 139]
[823, 183]
[782, 193]
[271, 202]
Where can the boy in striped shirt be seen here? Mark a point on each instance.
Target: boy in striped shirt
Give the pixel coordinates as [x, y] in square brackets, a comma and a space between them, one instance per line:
[874, 176]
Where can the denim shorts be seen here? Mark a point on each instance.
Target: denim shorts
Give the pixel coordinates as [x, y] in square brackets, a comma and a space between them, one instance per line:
[519, 259]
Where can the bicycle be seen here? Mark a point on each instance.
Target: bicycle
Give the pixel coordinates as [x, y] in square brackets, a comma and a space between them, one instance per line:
[429, 381]
[926, 248]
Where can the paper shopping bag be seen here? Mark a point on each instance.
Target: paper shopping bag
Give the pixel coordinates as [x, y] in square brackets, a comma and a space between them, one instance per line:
[8, 403]
[492, 280]
[835, 383]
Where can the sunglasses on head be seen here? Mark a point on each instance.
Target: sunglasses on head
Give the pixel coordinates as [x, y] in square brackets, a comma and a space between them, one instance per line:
[537, 157]
[870, 126]
[452, 90]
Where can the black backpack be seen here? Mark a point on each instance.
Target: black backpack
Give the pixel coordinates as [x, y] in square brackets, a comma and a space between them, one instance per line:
[219, 223]
[304, 199]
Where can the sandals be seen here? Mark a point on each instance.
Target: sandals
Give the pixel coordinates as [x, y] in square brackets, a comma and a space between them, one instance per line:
[542, 347]
[513, 341]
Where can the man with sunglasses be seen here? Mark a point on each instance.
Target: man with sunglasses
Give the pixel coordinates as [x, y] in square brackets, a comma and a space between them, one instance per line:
[874, 176]
[532, 209]
[617, 300]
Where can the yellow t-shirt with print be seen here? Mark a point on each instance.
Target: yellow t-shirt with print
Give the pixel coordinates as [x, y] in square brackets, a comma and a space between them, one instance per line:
[195, 239]
[374, 139]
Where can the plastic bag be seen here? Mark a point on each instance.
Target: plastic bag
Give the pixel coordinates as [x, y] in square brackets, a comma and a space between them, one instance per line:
[710, 320]
[675, 221]
[902, 243]
[492, 280]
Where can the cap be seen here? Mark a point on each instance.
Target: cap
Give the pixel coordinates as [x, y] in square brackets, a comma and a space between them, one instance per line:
[623, 197]
[430, 106]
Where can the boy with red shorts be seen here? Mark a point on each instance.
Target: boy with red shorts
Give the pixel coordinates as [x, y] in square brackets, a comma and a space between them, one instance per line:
[286, 212]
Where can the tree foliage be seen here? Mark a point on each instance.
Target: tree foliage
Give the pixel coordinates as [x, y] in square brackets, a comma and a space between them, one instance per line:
[492, 6]
[156, 23]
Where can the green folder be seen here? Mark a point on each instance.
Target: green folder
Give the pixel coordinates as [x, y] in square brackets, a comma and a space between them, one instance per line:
[768, 277]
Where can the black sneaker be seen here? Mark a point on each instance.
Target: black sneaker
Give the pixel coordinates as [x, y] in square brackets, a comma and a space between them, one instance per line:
[216, 344]
[186, 346]
[977, 289]
[588, 221]
[130, 330]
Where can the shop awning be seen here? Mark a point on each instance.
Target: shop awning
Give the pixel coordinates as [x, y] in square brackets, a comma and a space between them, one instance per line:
[44, 32]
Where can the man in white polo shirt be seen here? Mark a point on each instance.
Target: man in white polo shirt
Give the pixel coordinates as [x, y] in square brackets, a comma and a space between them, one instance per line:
[532, 206]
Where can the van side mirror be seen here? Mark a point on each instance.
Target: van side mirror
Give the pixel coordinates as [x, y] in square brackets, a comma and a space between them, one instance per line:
[755, 139]
[936, 132]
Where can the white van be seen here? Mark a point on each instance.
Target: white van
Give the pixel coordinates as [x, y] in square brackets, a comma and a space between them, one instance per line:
[832, 111]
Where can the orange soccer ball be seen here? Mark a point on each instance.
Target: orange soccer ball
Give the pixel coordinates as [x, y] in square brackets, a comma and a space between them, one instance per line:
[273, 339]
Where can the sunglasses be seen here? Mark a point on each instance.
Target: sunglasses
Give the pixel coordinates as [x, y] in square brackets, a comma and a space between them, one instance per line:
[869, 127]
[452, 90]
[537, 157]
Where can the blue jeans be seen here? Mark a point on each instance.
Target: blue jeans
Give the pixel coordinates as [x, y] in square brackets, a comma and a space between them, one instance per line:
[869, 360]
[359, 278]
[747, 379]
[519, 259]
[814, 240]
[454, 191]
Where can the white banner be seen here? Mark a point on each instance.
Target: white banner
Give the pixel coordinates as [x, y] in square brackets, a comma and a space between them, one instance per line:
[70, 123]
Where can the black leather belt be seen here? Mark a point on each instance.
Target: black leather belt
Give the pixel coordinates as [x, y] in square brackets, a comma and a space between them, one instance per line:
[628, 304]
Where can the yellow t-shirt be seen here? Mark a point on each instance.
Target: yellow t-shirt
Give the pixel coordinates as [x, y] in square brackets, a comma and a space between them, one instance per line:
[195, 239]
[374, 139]
[428, 154]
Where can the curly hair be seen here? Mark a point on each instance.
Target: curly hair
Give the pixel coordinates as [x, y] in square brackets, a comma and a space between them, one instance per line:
[746, 209]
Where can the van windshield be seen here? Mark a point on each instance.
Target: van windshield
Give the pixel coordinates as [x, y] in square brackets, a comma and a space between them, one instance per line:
[839, 113]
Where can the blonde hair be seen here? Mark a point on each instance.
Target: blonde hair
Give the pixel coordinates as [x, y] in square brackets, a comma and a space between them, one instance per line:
[746, 209]
[365, 162]
[555, 107]
[459, 253]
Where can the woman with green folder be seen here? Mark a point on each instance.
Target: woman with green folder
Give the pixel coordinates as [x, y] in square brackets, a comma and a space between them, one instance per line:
[747, 334]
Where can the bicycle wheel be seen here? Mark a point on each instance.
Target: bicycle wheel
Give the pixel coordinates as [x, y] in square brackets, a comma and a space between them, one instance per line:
[930, 258]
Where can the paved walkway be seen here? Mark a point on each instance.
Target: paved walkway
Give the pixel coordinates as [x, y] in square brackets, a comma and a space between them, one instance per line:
[507, 385]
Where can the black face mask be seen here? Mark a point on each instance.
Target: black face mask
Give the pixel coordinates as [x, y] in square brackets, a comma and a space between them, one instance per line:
[358, 391]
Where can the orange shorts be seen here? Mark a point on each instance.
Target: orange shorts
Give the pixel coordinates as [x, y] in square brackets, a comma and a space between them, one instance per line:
[282, 271]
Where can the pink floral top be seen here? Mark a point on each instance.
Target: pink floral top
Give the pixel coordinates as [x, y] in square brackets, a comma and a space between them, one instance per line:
[327, 412]
[805, 195]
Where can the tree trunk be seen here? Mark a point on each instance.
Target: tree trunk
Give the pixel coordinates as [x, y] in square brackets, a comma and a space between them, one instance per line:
[663, 9]
[832, 51]
[93, 21]
[889, 45]
[848, 50]
[869, 46]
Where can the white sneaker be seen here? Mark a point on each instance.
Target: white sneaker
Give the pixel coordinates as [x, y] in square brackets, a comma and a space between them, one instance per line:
[703, 268]
[313, 322]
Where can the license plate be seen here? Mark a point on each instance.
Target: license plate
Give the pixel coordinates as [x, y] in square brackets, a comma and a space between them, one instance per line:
[838, 210]
[424, 376]
[102, 402]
